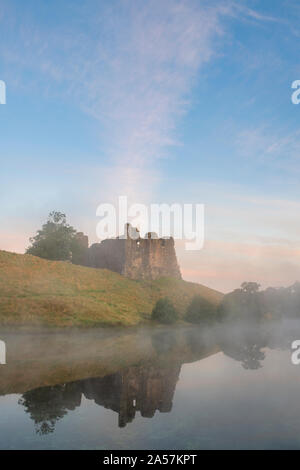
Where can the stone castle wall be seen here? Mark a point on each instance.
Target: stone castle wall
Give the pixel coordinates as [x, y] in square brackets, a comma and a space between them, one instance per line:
[150, 259]
[136, 258]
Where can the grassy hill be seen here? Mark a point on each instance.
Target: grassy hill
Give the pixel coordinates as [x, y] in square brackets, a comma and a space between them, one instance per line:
[34, 291]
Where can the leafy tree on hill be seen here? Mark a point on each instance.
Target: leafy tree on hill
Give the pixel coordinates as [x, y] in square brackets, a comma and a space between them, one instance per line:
[245, 303]
[283, 301]
[250, 287]
[164, 312]
[56, 240]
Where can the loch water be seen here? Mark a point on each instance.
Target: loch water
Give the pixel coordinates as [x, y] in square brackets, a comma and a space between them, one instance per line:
[223, 387]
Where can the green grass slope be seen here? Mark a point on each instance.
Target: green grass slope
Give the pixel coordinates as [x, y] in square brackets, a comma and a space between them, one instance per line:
[34, 291]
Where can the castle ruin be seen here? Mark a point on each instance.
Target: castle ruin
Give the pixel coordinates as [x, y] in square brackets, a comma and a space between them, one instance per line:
[131, 255]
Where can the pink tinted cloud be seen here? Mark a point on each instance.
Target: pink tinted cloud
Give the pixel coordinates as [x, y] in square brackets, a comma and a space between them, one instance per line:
[225, 265]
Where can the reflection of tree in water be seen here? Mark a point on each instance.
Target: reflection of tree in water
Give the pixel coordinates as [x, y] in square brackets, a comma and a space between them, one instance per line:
[250, 356]
[48, 405]
[245, 345]
[145, 389]
[136, 389]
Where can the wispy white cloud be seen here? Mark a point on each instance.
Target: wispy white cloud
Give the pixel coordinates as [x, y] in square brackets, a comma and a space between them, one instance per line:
[140, 87]
[240, 9]
[248, 236]
[132, 65]
[272, 148]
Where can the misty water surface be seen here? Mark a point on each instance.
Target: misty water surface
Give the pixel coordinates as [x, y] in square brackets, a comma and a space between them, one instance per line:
[182, 388]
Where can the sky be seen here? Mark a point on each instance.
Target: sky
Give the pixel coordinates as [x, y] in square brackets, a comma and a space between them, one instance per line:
[180, 101]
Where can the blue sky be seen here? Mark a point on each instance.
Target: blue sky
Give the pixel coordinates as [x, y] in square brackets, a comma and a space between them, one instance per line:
[174, 101]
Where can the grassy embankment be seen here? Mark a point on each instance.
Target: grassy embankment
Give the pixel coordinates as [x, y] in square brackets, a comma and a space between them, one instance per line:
[34, 291]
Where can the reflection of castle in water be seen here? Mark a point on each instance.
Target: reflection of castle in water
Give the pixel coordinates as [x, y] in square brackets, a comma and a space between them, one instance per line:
[150, 387]
[142, 389]
[137, 389]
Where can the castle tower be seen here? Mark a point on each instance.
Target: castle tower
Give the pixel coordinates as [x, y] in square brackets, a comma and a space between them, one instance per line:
[136, 257]
[150, 258]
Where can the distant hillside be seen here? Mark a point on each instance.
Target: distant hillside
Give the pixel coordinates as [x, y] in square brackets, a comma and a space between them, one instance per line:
[34, 291]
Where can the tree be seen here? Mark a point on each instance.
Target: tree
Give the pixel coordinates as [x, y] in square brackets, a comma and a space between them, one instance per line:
[245, 303]
[164, 312]
[250, 287]
[55, 241]
[200, 310]
[47, 405]
[283, 301]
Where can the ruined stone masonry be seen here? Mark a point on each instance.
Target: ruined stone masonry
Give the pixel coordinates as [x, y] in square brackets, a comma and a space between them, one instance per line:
[136, 389]
[131, 255]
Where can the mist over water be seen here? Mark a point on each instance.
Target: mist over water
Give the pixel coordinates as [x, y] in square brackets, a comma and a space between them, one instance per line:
[231, 385]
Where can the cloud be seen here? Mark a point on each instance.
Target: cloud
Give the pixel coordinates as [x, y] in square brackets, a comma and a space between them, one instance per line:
[224, 265]
[138, 86]
[237, 9]
[130, 64]
[277, 149]
[248, 236]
